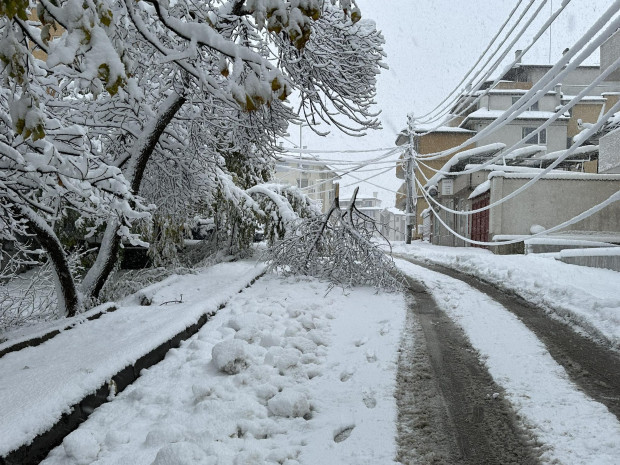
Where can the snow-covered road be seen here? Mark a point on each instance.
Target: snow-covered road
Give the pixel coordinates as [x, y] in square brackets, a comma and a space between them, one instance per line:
[572, 428]
[288, 373]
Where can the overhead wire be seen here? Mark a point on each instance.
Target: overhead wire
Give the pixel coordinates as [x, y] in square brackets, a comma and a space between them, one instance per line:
[431, 117]
[522, 142]
[476, 89]
[471, 70]
[557, 72]
[585, 135]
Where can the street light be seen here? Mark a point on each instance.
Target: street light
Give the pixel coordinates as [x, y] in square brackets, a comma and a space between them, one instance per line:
[300, 151]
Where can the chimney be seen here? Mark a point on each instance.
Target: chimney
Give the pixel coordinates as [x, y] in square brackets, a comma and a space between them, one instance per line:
[558, 95]
[518, 54]
[375, 194]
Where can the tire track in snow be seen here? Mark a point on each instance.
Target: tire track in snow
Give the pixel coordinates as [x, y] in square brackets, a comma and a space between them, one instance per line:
[592, 366]
[448, 413]
[573, 428]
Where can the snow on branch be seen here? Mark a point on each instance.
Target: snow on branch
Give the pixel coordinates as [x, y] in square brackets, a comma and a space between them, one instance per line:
[338, 246]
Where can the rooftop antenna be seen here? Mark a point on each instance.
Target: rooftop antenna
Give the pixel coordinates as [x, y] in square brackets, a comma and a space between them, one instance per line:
[550, 28]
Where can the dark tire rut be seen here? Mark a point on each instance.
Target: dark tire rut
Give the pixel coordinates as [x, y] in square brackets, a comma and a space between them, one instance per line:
[450, 410]
[592, 366]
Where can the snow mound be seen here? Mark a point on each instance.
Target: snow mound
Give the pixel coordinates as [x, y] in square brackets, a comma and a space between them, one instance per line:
[231, 356]
[182, 453]
[289, 404]
[82, 446]
[161, 436]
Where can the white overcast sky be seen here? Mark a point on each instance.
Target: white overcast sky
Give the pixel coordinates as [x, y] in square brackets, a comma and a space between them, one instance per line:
[431, 44]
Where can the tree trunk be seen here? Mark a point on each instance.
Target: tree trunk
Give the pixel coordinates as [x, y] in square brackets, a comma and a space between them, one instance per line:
[137, 157]
[66, 291]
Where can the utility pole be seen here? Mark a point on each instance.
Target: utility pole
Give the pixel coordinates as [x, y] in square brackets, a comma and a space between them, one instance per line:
[409, 178]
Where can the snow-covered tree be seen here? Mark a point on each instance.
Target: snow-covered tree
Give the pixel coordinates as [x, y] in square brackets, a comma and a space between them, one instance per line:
[47, 166]
[154, 97]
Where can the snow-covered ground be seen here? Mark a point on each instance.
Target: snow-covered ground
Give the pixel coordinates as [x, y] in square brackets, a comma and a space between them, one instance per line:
[289, 373]
[284, 374]
[587, 297]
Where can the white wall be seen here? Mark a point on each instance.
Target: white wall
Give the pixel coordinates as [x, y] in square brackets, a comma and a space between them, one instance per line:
[610, 51]
[511, 134]
[609, 152]
[552, 201]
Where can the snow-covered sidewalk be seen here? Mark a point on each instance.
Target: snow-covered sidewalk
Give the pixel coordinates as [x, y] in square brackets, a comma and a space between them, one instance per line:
[296, 377]
[587, 297]
[573, 428]
[40, 384]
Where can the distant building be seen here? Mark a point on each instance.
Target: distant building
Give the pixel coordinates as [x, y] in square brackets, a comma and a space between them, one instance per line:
[369, 206]
[315, 178]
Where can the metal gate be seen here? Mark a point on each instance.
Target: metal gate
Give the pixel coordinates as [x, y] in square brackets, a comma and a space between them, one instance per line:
[480, 220]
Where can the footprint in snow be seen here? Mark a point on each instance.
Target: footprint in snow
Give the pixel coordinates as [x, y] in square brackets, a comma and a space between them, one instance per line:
[347, 374]
[371, 356]
[369, 400]
[343, 433]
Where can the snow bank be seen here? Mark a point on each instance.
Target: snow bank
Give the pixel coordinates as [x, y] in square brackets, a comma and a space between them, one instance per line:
[586, 297]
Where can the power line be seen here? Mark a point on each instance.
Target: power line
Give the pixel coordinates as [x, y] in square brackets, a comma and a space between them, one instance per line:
[561, 111]
[506, 69]
[557, 72]
[496, 64]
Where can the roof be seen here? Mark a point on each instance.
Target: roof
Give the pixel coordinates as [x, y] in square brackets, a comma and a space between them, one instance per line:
[486, 114]
[558, 175]
[403, 137]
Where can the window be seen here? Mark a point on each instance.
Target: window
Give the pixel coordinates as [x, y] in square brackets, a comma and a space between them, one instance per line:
[540, 138]
[302, 183]
[534, 106]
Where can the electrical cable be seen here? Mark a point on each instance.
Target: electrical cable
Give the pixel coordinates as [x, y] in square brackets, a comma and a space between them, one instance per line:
[506, 68]
[615, 197]
[558, 71]
[428, 118]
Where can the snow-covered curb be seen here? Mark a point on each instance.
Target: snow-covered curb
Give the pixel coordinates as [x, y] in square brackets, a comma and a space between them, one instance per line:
[41, 384]
[46, 331]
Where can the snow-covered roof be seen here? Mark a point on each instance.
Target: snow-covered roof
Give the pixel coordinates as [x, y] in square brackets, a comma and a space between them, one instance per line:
[557, 175]
[585, 98]
[485, 113]
[395, 211]
[525, 152]
[577, 154]
[509, 168]
[403, 136]
[460, 158]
